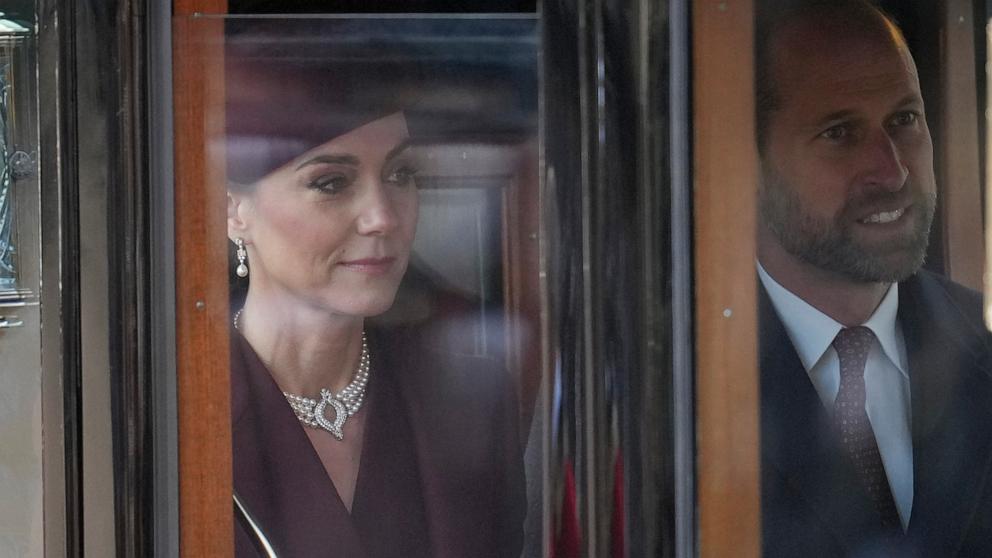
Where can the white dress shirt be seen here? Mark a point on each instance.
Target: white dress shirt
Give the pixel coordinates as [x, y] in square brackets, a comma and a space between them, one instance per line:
[886, 378]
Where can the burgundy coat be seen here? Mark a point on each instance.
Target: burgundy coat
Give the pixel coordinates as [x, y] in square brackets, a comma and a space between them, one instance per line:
[441, 471]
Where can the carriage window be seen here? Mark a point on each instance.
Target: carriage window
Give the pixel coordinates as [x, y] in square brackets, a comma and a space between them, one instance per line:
[27, 443]
[380, 177]
[873, 353]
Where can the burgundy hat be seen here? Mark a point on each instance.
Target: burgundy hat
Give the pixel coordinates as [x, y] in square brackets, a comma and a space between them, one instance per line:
[293, 84]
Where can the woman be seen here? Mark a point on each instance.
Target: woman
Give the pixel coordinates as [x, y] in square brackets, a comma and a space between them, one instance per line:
[348, 441]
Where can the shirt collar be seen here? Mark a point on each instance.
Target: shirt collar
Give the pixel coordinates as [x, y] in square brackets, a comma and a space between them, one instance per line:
[812, 331]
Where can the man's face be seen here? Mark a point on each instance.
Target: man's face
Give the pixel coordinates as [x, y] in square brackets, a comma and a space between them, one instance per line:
[847, 171]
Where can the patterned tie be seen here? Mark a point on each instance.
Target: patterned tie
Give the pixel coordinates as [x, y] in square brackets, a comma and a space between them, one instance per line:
[856, 436]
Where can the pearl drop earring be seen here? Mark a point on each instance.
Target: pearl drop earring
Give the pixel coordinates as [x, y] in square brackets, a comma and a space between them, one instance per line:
[242, 269]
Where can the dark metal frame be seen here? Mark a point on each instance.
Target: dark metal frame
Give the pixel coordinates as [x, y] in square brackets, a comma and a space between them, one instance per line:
[60, 297]
[94, 76]
[128, 216]
[619, 231]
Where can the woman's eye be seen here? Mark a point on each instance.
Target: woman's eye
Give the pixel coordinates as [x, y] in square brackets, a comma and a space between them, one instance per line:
[401, 176]
[330, 183]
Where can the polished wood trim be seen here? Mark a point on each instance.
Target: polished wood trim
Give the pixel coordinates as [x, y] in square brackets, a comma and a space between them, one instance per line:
[988, 181]
[190, 7]
[203, 382]
[960, 170]
[726, 171]
[522, 281]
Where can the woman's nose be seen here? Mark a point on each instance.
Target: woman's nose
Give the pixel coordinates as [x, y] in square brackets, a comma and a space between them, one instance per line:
[376, 215]
[884, 166]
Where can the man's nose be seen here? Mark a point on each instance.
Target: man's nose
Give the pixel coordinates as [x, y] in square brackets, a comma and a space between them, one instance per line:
[376, 213]
[883, 166]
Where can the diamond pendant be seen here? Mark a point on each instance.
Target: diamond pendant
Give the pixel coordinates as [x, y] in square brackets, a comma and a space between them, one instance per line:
[340, 414]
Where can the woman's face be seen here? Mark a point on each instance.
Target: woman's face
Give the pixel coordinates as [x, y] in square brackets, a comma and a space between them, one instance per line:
[332, 229]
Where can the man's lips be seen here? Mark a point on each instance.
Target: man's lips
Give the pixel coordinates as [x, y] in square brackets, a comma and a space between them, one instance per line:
[883, 217]
[373, 266]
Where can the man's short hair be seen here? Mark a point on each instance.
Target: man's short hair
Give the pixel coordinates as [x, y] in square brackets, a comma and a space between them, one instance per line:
[773, 15]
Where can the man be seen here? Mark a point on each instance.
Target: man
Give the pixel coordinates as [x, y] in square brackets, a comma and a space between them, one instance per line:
[876, 377]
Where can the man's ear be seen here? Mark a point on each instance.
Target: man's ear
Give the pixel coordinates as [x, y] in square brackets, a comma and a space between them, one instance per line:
[238, 216]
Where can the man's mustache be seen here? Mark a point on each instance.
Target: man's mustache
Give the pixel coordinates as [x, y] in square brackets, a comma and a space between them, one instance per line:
[883, 198]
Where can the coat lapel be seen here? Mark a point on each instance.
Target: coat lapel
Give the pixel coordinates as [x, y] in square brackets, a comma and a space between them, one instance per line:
[798, 445]
[450, 521]
[441, 458]
[950, 384]
[277, 475]
[389, 508]
[465, 440]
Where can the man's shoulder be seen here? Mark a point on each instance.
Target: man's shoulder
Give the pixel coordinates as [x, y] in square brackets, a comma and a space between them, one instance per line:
[956, 290]
[939, 293]
[932, 306]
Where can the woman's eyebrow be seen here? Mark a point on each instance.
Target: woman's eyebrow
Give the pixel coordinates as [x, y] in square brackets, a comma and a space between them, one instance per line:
[330, 160]
[399, 148]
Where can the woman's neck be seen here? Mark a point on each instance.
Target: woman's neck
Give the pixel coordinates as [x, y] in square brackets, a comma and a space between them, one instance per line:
[305, 350]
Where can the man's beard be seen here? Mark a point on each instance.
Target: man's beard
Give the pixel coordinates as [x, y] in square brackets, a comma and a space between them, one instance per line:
[832, 245]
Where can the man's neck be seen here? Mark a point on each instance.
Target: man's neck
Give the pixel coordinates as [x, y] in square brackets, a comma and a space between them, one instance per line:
[849, 302]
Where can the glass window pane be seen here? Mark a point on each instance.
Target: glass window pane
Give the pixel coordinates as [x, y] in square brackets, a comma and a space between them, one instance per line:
[21, 432]
[381, 178]
[875, 360]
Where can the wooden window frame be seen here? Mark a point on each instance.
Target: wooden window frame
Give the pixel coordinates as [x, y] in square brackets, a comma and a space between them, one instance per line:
[206, 525]
[725, 184]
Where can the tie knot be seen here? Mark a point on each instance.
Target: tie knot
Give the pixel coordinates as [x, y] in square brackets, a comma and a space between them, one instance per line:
[852, 345]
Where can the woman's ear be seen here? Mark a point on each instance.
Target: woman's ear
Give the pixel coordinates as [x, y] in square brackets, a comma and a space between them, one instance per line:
[238, 206]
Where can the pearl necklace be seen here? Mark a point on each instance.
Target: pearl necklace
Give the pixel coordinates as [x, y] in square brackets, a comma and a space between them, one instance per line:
[345, 403]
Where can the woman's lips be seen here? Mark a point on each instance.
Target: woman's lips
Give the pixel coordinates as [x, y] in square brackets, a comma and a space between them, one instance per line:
[370, 266]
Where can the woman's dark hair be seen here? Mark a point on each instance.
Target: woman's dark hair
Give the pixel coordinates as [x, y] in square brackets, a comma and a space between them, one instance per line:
[292, 84]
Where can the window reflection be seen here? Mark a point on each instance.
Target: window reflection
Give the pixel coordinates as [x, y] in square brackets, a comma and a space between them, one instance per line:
[17, 160]
[26, 444]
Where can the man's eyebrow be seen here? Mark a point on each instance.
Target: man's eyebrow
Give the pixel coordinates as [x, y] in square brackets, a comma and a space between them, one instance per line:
[328, 159]
[911, 99]
[834, 117]
[840, 115]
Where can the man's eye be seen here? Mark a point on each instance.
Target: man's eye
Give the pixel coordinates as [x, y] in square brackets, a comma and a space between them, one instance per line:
[401, 176]
[905, 119]
[835, 133]
[330, 183]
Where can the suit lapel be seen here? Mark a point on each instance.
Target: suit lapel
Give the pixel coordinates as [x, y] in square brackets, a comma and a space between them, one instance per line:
[950, 386]
[277, 474]
[798, 443]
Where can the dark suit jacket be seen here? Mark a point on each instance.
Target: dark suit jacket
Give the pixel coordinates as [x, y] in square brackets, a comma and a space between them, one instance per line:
[440, 476]
[812, 505]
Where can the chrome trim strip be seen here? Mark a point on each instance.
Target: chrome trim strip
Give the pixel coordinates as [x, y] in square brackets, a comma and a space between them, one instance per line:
[683, 346]
[162, 280]
[269, 551]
